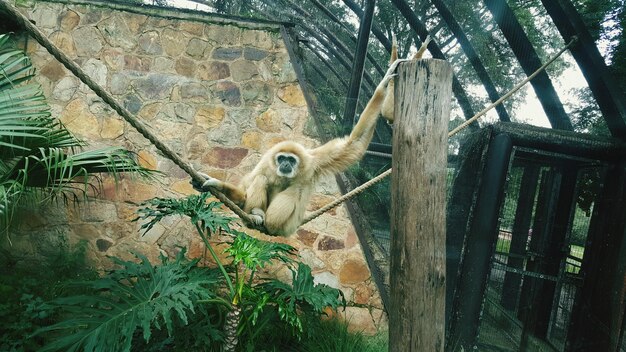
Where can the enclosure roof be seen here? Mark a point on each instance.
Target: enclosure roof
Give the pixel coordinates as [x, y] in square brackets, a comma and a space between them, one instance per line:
[491, 45]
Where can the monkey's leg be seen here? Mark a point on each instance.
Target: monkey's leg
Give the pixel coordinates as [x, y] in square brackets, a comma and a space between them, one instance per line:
[285, 212]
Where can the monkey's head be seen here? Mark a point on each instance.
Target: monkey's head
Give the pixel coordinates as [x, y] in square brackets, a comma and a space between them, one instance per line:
[286, 164]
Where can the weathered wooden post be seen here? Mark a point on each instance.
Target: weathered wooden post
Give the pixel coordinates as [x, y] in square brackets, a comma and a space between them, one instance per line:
[418, 196]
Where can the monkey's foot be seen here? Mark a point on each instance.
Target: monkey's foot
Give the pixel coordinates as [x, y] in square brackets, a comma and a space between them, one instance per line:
[257, 216]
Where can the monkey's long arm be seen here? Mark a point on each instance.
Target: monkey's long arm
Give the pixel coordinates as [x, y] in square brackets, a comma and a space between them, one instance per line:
[336, 155]
[231, 191]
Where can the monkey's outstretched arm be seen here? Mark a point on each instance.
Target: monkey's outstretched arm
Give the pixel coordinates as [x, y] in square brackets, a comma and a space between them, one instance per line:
[232, 192]
[336, 155]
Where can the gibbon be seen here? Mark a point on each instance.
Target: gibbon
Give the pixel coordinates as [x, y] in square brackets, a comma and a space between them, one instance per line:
[278, 189]
[387, 108]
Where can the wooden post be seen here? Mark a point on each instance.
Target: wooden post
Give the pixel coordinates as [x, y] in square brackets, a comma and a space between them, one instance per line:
[418, 195]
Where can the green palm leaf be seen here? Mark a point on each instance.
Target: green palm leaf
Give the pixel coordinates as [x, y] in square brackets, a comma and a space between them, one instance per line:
[37, 153]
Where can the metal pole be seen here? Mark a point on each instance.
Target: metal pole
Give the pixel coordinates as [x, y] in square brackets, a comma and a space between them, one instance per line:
[358, 65]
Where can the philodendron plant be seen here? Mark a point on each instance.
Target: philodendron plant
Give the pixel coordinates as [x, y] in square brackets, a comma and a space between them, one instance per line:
[137, 299]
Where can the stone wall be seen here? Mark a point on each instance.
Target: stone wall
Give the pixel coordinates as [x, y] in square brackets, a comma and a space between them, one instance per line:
[218, 94]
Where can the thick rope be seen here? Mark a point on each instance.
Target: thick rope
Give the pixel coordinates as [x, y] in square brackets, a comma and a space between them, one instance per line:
[380, 177]
[122, 111]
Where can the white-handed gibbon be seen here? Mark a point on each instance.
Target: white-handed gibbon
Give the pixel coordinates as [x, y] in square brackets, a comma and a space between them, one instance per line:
[277, 191]
[388, 104]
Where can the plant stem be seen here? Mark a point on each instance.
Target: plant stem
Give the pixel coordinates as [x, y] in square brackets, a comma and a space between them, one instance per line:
[217, 260]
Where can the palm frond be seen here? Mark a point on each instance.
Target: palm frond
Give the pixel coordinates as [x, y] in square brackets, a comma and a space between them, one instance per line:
[36, 150]
[138, 297]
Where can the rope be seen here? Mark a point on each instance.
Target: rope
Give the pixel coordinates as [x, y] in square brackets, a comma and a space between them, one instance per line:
[380, 177]
[122, 111]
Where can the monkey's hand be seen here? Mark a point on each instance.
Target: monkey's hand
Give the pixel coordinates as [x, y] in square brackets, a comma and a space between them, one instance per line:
[257, 216]
[208, 182]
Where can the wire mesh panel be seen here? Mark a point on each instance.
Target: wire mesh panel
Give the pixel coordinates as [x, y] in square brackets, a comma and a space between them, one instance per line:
[529, 226]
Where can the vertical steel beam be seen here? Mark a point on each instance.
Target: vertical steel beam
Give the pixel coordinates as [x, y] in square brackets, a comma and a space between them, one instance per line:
[479, 246]
[358, 65]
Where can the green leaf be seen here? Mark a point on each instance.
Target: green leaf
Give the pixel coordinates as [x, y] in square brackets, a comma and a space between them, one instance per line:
[201, 212]
[302, 295]
[37, 153]
[255, 253]
[137, 297]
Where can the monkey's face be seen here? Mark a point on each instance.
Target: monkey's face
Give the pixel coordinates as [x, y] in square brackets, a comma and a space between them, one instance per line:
[286, 164]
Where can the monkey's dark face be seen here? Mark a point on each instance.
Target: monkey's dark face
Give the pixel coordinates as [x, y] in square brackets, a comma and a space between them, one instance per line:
[286, 164]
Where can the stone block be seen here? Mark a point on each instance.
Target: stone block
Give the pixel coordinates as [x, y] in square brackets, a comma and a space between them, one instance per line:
[225, 35]
[155, 86]
[78, 119]
[198, 48]
[243, 70]
[69, 20]
[227, 54]
[185, 66]
[292, 95]
[326, 278]
[112, 128]
[254, 54]
[209, 116]
[328, 243]
[97, 71]
[147, 160]
[133, 103]
[163, 64]
[137, 63]
[307, 237]
[98, 212]
[103, 245]
[113, 58]
[45, 15]
[257, 93]
[252, 140]
[257, 39]
[150, 43]
[150, 111]
[194, 91]
[228, 92]
[309, 258]
[194, 28]
[177, 112]
[119, 84]
[359, 320]
[174, 42]
[268, 121]
[213, 70]
[65, 89]
[183, 187]
[225, 158]
[354, 272]
[116, 33]
[153, 235]
[64, 42]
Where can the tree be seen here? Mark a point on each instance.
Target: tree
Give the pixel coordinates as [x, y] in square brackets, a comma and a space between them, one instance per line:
[39, 158]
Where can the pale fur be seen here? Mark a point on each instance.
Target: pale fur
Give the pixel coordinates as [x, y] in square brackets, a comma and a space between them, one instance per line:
[387, 109]
[279, 203]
